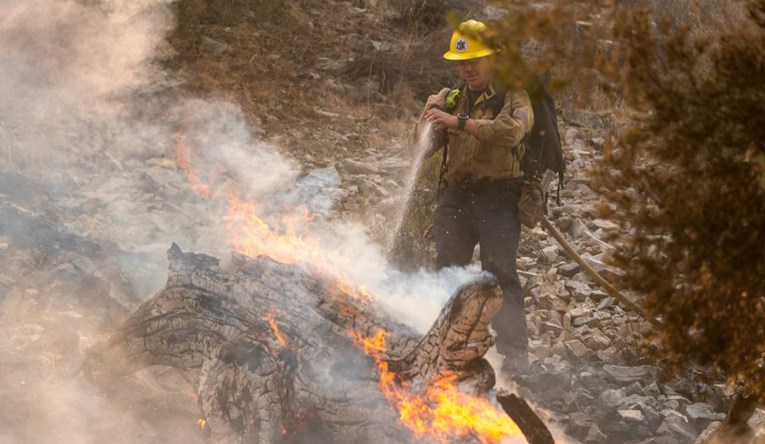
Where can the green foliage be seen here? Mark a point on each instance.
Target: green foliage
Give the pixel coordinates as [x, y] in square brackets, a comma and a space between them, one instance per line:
[686, 181]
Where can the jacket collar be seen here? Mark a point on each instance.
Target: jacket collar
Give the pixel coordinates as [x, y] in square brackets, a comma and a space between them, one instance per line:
[487, 94]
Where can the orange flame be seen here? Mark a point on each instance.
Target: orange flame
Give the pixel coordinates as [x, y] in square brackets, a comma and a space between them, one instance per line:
[183, 160]
[360, 294]
[202, 423]
[442, 411]
[275, 328]
[250, 235]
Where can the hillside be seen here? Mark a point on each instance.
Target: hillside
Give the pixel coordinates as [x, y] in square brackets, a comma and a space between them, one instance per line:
[127, 126]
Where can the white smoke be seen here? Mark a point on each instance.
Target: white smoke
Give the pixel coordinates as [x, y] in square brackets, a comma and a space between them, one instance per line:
[90, 120]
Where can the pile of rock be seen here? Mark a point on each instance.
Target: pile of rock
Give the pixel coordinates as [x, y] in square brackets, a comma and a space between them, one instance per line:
[587, 369]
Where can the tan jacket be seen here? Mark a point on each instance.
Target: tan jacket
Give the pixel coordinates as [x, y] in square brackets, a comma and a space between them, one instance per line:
[491, 155]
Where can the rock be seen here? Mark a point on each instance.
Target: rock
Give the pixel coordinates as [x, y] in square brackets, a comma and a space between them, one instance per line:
[551, 302]
[540, 382]
[555, 328]
[550, 254]
[707, 433]
[351, 166]
[652, 390]
[606, 303]
[566, 321]
[582, 321]
[571, 133]
[596, 340]
[652, 416]
[569, 270]
[577, 399]
[608, 355]
[701, 410]
[578, 228]
[663, 439]
[596, 262]
[605, 224]
[579, 423]
[598, 142]
[595, 435]
[631, 415]
[578, 290]
[632, 401]
[634, 389]
[677, 426]
[611, 398]
[711, 395]
[564, 224]
[579, 311]
[757, 421]
[598, 295]
[630, 374]
[577, 349]
[670, 405]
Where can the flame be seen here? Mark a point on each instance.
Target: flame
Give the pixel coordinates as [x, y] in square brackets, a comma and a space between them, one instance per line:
[250, 235]
[183, 160]
[442, 411]
[360, 294]
[275, 328]
[202, 423]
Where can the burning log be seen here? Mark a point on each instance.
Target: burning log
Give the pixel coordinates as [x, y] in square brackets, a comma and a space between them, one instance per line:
[270, 347]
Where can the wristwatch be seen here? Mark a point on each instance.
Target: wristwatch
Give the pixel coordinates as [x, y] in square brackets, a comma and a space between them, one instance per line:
[461, 119]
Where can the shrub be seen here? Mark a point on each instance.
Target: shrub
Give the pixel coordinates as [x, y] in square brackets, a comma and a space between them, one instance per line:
[687, 181]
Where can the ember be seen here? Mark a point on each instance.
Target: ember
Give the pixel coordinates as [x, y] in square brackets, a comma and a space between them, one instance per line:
[275, 328]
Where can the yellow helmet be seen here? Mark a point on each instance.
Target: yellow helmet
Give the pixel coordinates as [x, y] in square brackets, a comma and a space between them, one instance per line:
[467, 42]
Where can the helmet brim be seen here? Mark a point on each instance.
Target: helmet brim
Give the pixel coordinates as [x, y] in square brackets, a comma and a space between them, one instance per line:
[449, 55]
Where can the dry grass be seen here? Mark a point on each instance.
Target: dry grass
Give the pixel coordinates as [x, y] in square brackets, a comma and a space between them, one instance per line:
[416, 63]
[356, 59]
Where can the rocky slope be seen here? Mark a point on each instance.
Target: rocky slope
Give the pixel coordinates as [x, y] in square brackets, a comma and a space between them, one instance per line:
[90, 202]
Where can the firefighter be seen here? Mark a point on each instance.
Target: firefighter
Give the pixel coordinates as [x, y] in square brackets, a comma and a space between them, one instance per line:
[483, 134]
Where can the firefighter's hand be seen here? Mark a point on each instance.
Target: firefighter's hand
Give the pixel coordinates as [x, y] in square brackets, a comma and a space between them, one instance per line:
[436, 100]
[441, 118]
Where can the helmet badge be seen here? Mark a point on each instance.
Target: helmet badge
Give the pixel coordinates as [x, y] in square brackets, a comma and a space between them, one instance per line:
[460, 45]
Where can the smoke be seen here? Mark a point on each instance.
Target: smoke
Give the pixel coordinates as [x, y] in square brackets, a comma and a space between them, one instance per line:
[68, 65]
[91, 129]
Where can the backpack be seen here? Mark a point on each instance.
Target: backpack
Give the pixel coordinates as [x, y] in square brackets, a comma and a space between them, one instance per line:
[543, 147]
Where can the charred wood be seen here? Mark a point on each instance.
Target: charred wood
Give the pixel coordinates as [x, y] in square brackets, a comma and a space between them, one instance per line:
[268, 346]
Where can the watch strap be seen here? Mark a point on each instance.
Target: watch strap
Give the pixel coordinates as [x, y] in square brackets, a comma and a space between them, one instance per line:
[461, 120]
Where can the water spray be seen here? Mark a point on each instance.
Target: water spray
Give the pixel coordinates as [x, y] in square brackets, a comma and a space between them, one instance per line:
[425, 146]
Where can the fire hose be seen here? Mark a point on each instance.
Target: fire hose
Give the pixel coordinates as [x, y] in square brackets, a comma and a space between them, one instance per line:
[610, 289]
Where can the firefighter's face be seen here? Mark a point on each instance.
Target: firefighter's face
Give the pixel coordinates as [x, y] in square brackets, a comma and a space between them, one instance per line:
[476, 72]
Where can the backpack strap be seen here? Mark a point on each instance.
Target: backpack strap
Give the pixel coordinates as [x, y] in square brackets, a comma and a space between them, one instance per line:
[496, 103]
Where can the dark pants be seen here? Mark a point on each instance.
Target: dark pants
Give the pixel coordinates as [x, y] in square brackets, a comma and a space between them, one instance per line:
[489, 217]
